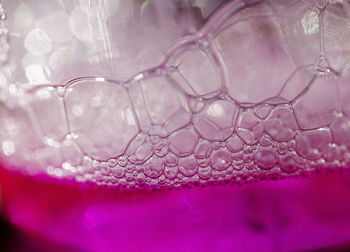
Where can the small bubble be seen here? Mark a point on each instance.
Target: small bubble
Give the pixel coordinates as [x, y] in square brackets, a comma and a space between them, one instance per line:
[129, 168]
[238, 156]
[171, 172]
[266, 158]
[282, 148]
[247, 158]
[204, 162]
[321, 65]
[112, 162]
[60, 91]
[171, 160]
[188, 166]
[161, 149]
[250, 165]
[154, 167]
[216, 145]
[265, 141]
[204, 172]
[202, 150]
[262, 110]
[154, 139]
[289, 163]
[122, 161]
[221, 160]
[234, 144]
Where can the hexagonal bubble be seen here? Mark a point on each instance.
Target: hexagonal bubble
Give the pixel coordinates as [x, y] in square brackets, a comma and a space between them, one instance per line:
[316, 107]
[183, 142]
[281, 124]
[195, 72]
[215, 121]
[250, 79]
[249, 127]
[312, 144]
[101, 116]
[160, 107]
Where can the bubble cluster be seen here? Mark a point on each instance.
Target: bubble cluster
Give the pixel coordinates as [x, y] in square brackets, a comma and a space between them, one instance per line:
[207, 114]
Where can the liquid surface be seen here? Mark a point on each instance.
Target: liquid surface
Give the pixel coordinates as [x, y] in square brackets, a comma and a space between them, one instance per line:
[256, 90]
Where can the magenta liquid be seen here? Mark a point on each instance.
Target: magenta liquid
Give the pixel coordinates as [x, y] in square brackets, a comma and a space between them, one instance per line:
[103, 102]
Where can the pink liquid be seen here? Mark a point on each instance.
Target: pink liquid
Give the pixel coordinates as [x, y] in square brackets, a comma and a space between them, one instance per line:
[293, 215]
